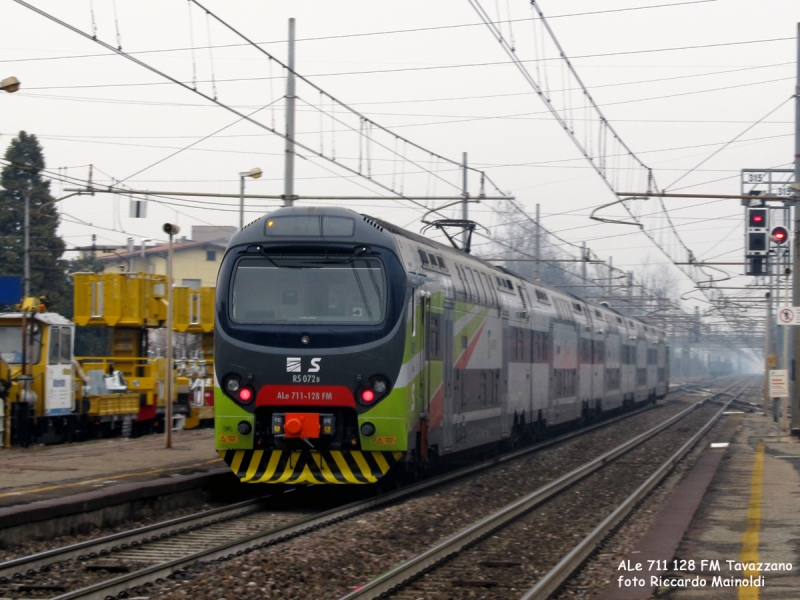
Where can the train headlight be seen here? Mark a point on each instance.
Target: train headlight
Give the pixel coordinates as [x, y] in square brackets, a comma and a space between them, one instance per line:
[245, 394]
[232, 384]
[380, 386]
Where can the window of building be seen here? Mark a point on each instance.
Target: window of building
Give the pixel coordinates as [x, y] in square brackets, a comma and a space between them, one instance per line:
[211, 255]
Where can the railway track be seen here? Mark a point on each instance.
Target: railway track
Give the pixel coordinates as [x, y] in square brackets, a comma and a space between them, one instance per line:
[464, 559]
[134, 560]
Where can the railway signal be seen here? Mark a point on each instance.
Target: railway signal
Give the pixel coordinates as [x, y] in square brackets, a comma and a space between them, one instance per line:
[779, 235]
[756, 242]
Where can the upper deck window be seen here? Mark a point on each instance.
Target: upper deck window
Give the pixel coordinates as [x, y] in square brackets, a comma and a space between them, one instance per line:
[309, 290]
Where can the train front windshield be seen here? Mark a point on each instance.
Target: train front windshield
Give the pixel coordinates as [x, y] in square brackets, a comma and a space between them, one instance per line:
[305, 290]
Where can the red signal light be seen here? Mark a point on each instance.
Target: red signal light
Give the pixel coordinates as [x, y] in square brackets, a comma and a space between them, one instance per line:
[779, 235]
[757, 218]
[245, 394]
[367, 396]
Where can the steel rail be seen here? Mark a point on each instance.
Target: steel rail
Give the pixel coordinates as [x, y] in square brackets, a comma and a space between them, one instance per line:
[229, 550]
[554, 578]
[125, 539]
[401, 574]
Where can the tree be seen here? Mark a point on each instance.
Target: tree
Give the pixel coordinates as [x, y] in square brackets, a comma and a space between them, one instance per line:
[21, 177]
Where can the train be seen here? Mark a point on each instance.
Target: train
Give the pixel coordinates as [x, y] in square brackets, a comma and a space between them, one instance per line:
[347, 348]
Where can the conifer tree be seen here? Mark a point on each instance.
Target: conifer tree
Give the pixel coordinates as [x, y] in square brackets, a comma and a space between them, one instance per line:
[21, 177]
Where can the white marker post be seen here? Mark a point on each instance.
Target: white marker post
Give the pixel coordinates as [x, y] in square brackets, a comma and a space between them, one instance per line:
[779, 389]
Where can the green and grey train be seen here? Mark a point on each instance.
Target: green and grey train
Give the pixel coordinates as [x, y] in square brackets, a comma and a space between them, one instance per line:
[346, 347]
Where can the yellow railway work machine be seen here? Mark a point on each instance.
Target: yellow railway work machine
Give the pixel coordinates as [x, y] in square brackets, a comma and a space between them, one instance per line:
[46, 395]
[132, 303]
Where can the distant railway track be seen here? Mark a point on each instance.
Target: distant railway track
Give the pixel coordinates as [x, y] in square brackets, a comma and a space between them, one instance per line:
[135, 559]
[427, 570]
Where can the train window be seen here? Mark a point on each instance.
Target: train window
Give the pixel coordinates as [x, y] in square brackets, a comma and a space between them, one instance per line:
[492, 296]
[599, 352]
[577, 307]
[298, 290]
[482, 288]
[542, 297]
[471, 293]
[66, 345]
[509, 285]
[619, 320]
[11, 345]
[461, 289]
[598, 314]
[474, 285]
[441, 262]
[424, 256]
[52, 357]
[434, 337]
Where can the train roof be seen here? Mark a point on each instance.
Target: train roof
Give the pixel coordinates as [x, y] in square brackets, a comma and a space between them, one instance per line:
[46, 317]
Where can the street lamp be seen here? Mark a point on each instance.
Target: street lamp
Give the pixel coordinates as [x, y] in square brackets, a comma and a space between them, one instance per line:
[255, 174]
[171, 230]
[9, 84]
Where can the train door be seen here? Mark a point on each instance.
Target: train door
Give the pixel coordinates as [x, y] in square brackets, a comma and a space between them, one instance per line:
[58, 375]
[423, 396]
[448, 435]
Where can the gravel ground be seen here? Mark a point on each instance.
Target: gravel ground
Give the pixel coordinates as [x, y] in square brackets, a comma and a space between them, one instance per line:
[534, 544]
[594, 573]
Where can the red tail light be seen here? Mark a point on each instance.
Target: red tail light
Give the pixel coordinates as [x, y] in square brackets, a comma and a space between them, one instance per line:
[367, 396]
[245, 394]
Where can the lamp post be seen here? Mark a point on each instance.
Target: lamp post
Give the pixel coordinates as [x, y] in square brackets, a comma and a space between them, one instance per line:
[255, 174]
[171, 230]
[11, 85]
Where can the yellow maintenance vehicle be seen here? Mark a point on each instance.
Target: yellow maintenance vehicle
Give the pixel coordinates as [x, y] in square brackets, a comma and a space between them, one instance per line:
[47, 395]
[131, 304]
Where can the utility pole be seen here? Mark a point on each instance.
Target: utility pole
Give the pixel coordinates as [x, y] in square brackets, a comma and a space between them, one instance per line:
[538, 248]
[465, 193]
[610, 274]
[795, 389]
[766, 352]
[26, 225]
[784, 425]
[130, 255]
[288, 180]
[630, 286]
[584, 258]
